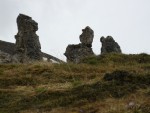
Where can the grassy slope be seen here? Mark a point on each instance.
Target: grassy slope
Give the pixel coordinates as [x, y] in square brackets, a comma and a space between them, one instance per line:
[78, 88]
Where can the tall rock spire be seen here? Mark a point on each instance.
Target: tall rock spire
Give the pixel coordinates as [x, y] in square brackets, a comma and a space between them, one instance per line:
[75, 53]
[27, 41]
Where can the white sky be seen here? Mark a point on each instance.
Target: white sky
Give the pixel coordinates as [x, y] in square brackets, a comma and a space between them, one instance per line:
[61, 22]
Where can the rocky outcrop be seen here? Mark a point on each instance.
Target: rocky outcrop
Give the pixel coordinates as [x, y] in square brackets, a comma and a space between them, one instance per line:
[75, 53]
[5, 57]
[109, 45]
[9, 48]
[86, 38]
[27, 42]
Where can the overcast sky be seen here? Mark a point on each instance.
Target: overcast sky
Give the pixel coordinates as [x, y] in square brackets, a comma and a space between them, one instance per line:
[61, 22]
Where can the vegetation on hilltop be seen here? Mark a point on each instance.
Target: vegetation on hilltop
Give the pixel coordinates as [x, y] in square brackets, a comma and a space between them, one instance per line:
[111, 83]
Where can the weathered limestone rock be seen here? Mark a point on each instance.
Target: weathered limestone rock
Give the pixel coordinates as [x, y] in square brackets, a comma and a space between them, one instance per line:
[27, 42]
[75, 53]
[109, 45]
[9, 48]
[5, 58]
[86, 38]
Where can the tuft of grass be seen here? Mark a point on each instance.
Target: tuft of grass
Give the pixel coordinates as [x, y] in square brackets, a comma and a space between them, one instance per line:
[118, 59]
[76, 83]
[40, 89]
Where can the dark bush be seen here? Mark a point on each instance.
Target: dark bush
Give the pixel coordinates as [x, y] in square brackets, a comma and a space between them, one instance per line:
[118, 76]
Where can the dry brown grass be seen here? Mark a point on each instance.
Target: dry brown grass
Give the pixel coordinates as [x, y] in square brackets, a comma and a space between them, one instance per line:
[74, 88]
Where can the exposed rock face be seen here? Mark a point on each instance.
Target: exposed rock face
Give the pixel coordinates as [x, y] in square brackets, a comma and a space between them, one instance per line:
[109, 45]
[9, 48]
[5, 58]
[75, 53]
[86, 38]
[27, 42]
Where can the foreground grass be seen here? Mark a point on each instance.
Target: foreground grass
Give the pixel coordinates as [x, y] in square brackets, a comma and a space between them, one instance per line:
[111, 83]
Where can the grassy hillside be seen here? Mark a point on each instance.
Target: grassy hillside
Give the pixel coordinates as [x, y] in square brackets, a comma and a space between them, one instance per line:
[111, 83]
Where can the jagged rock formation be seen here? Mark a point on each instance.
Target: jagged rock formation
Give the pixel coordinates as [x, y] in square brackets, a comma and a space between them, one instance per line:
[86, 38]
[9, 48]
[5, 57]
[75, 53]
[109, 45]
[27, 42]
